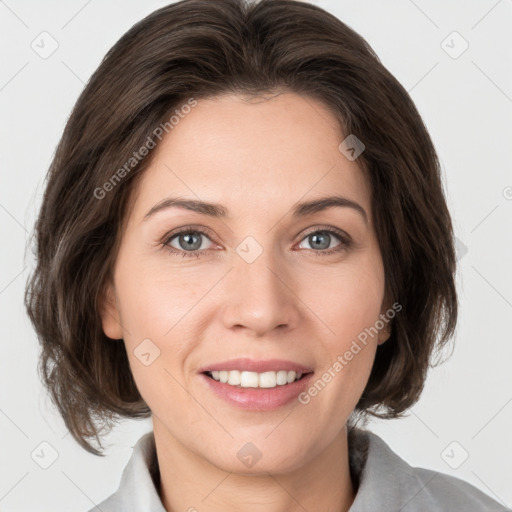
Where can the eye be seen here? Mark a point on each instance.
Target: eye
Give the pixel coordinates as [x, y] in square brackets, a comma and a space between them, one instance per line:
[320, 241]
[189, 242]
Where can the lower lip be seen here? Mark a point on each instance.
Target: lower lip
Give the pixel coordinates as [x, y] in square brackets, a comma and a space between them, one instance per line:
[258, 399]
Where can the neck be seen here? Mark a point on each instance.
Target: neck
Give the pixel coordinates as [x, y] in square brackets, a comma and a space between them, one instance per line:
[189, 482]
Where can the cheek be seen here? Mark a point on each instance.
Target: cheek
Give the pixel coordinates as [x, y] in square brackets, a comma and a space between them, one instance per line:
[156, 298]
[161, 311]
[156, 310]
[347, 301]
[349, 304]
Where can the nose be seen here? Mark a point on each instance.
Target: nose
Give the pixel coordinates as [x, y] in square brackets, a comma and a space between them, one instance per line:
[260, 297]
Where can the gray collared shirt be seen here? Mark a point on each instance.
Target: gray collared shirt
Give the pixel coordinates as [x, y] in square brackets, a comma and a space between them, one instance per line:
[386, 483]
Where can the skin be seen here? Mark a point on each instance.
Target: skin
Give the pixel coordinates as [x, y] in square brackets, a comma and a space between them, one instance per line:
[257, 159]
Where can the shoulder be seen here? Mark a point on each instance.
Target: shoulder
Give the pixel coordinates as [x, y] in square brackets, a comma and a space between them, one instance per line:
[450, 493]
[387, 482]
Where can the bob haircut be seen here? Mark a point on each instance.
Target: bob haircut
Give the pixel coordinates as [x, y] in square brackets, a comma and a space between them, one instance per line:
[201, 49]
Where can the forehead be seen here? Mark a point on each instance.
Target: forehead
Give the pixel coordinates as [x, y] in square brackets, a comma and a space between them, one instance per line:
[252, 154]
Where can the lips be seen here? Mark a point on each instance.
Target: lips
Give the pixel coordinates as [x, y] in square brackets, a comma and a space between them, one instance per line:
[256, 399]
[252, 365]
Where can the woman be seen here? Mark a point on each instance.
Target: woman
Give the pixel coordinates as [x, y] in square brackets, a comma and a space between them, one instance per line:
[244, 236]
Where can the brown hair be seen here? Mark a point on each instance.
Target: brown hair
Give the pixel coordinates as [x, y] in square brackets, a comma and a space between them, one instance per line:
[199, 49]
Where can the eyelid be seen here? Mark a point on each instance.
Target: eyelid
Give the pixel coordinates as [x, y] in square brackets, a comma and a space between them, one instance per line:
[185, 229]
[345, 237]
[207, 231]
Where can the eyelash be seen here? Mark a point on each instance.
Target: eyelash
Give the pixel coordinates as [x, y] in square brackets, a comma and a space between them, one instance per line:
[346, 242]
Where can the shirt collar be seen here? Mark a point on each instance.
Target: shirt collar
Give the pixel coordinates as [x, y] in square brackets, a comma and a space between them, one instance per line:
[386, 481]
[138, 487]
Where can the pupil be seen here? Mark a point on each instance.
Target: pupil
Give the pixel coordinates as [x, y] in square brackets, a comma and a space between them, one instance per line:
[190, 243]
[317, 237]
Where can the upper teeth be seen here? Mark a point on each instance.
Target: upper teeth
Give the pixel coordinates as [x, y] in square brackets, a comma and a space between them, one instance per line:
[256, 380]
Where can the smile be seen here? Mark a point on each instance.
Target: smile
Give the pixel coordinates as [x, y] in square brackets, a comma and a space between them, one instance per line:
[246, 379]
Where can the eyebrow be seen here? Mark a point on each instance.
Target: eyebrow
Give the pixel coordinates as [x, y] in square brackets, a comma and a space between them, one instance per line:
[217, 210]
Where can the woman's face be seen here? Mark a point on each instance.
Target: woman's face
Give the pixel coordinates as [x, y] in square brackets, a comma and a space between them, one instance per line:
[262, 282]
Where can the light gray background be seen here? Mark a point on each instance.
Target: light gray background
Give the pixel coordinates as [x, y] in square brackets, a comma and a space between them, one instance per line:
[466, 103]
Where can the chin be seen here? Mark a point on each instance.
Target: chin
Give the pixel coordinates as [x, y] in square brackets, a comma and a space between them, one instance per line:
[257, 458]
[261, 467]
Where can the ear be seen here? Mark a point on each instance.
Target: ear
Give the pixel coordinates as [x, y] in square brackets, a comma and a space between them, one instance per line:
[385, 332]
[109, 313]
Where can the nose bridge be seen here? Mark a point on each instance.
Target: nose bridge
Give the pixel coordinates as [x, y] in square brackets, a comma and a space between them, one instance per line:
[262, 297]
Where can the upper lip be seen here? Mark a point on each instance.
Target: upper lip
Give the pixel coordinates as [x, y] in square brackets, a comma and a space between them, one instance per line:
[252, 365]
